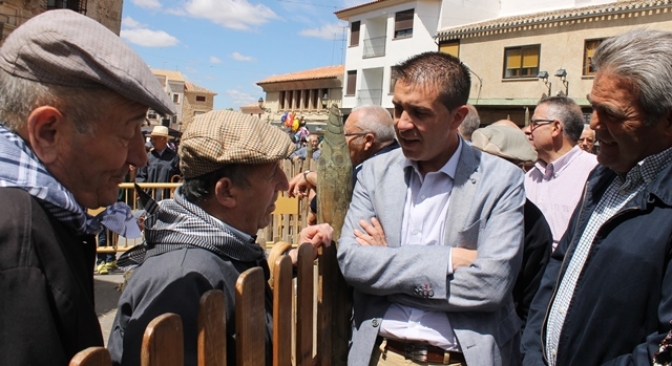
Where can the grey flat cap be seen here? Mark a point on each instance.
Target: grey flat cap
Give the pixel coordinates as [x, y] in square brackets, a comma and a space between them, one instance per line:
[504, 141]
[65, 48]
[219, 138]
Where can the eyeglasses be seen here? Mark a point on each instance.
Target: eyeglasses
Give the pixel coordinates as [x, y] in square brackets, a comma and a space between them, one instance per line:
[536, 123]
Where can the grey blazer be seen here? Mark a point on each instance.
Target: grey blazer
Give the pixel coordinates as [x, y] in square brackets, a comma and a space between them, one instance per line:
[485, 213]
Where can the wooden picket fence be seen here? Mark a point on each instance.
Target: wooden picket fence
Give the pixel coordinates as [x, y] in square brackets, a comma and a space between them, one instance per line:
[162, 343]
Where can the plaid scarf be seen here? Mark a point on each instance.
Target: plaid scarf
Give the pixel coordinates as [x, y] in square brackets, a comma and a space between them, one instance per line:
[173, 224]
[21, 168]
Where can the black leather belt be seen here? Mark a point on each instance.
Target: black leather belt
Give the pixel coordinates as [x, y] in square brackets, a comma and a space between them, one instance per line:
[424, 352]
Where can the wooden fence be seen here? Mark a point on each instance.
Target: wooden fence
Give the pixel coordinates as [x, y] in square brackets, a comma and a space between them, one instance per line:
[163, 339]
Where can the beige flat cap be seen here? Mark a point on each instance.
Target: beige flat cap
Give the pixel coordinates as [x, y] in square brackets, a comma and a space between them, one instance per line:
[219, 138]
[65, 48]
[504, 141]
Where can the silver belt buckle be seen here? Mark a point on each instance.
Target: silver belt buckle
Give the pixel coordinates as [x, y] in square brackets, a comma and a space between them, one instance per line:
[417, 352]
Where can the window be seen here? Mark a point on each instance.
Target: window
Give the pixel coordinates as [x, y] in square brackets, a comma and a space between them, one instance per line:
[152, 114]
[403, 24]
[281, 100]
[324, 93]
[315, 98]
[176, 98]
[200, 98]
[393, 78]
[521, 62]
[354, 33]
[290, 99]
[450, 47]
[306, 98]
[588, 52]
[76, 5]
[351, 83]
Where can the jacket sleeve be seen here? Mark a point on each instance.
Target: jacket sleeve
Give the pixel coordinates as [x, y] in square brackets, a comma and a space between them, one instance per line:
[410, 274]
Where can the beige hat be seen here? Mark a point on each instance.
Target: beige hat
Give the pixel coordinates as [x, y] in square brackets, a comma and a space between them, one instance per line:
[65, 48]
[161, 131]
[504, 141]
[220, 138]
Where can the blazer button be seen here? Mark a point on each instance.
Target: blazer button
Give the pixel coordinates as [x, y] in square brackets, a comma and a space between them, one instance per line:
[374, 322]
[431, 293]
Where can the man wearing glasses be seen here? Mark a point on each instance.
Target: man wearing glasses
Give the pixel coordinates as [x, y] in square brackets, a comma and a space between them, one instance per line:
[556, 181]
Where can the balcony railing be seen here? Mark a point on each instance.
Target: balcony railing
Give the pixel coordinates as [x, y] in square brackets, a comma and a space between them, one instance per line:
[374, 47]
[369, 96]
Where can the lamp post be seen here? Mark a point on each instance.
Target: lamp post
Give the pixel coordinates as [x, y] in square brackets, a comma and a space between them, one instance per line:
[325, 100]
[543, 76]
[562, 74]
[266, 110]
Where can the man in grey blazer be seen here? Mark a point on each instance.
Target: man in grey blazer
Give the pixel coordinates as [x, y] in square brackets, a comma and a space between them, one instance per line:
[432, 240]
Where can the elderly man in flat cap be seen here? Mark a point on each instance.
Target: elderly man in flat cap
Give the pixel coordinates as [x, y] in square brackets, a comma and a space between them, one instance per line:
[204, 237]
[74, 97]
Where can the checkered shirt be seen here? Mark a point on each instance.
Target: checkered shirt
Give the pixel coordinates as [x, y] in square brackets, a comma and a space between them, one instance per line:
[620, 191]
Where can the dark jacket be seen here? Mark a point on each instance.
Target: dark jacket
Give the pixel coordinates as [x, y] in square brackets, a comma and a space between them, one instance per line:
[160, 168]
[46, 285]
[622, 304]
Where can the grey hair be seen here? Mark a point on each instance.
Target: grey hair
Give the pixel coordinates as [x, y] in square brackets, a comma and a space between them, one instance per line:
[376, 119]
[198, 189]
[439, 70]
[19, 97]
[568, 113]
[471, 123]
[642, 56]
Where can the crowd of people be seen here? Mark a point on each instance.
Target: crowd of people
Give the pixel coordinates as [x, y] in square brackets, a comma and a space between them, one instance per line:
[463, 245]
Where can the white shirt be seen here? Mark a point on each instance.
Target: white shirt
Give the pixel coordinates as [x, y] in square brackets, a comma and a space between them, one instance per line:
[423, 223]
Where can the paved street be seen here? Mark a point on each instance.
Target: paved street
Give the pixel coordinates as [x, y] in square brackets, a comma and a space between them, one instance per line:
[107, 296]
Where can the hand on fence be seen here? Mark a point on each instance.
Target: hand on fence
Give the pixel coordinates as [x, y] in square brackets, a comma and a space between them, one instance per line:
[317, 235]
[374, 235]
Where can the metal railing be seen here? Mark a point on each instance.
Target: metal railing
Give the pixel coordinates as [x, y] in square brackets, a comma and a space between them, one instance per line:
[374, 47]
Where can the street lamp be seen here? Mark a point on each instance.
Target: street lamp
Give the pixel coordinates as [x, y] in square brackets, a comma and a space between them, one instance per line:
[562, 74]
[325, 100]
[543, 76]
[266, 110]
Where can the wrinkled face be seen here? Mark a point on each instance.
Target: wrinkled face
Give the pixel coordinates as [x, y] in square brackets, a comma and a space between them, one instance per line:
[257, 202]
[619, 123]
[426, 129]
[92, 166]
[587, 140]
[354, 138]
[159, 142]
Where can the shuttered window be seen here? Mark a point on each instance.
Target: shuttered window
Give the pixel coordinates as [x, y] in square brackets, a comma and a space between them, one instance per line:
[354, 33]
[521, 62]
[403, 24]
[351, 86]
[589, 51]
[450, 47]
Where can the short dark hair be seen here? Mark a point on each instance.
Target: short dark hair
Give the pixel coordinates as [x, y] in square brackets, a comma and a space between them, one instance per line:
[568, 113]
[198, 189]
[439, 70]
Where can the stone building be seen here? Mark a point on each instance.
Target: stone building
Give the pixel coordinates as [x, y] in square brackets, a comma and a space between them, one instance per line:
[307, 94]
[15, 12]
[197, 100]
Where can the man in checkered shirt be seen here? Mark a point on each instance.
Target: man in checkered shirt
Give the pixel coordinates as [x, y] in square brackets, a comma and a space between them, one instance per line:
[606, 296]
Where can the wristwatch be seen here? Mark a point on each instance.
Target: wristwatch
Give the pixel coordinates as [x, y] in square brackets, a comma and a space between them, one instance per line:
[305, 174]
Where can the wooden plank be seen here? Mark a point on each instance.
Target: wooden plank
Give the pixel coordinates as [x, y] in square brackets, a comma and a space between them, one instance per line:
[92, 356]
[334, 179]
[250, 318]
[282, 310]
[304, 306]
[163, 342]
[212, 329]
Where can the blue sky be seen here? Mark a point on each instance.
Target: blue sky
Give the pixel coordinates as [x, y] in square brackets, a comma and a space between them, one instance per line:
[229, 45]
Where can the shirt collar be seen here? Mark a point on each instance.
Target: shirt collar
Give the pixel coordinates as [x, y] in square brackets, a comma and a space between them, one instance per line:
[449, 168]
[647, 169]
[240, 234]
[559, 164]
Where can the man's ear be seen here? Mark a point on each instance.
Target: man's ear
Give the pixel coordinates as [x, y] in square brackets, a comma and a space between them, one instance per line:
[44, 130]
[225, 193]
[460, 113]
[369, 140]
